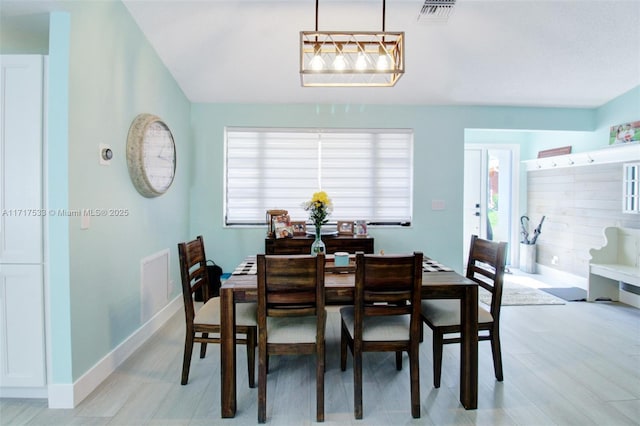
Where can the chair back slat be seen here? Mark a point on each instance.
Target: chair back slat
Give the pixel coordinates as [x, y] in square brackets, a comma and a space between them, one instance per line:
[387, 310]
[485, 266]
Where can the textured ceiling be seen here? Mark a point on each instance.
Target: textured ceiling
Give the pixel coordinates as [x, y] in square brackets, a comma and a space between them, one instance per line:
[566, 53]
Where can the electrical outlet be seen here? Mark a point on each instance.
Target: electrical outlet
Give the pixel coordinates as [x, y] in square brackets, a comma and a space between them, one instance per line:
[437, 205]
[554, 260]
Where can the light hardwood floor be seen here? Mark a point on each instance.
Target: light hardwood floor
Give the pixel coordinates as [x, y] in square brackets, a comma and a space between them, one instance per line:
[572, 364]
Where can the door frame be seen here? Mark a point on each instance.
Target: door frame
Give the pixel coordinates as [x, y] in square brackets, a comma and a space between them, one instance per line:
[516, 202]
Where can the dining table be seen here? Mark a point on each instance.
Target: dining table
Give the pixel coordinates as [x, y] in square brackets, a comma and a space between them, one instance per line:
[438, 282]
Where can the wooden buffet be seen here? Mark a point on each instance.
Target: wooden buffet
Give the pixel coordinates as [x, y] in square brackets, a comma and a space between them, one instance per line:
[302, 245]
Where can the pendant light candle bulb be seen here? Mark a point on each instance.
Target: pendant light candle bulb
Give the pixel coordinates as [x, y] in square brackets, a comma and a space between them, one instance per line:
[384, 61]
[316, 62]
[361, 62]
[339, 63]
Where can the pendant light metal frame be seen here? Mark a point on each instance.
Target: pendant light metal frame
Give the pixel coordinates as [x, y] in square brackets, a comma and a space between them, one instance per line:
[351, 59]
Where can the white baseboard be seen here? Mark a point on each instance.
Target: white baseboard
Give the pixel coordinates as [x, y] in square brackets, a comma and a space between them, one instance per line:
[17, 392]
[70, 395]
[568, 279]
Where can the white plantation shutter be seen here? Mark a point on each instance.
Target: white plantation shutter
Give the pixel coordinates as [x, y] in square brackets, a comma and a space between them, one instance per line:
[368, 174]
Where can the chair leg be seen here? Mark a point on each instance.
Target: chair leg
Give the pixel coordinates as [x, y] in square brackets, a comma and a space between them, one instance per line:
[497, 355]
[203, 346]
[437, 358]
[186, 360]
[414, 373]
[262, 383]
[320, 367]
[343, 348]
[398, 360]
[357, 384]
[251, 355]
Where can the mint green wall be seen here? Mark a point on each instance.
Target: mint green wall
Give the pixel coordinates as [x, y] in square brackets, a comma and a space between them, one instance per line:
[57, 166]
[439, 149]
[115, 75]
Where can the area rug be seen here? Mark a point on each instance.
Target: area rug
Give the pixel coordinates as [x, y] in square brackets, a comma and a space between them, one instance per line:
[519, 295]
[570, 294]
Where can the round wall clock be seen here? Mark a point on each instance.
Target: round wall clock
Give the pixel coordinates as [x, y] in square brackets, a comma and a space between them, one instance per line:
[151, 155]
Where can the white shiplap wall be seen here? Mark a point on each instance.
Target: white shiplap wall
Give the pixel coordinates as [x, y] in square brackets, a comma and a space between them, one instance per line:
[578, 202]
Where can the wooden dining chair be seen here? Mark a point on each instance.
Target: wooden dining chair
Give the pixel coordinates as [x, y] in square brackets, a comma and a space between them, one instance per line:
[291, 317]
[485, 266]
[385, 317]
[203, 324]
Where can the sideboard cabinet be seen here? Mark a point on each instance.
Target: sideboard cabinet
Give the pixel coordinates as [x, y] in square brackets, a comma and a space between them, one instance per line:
[302, 245]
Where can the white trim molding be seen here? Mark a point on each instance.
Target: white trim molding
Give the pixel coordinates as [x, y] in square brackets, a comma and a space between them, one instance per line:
[70, 395]
[612, 154]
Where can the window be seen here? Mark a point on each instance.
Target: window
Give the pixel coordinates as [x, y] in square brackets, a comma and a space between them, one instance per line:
[631, 188]
[368, 174]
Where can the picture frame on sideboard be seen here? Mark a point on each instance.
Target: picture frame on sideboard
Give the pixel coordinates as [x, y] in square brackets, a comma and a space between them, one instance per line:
[299, 228]
[345, 228]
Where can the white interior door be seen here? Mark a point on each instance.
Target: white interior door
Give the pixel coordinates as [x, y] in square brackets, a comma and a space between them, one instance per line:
[490, 192]
[474, 194]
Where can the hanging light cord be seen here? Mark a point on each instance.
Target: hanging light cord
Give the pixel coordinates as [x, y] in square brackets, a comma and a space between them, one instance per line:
[383, 13]
[384, 8]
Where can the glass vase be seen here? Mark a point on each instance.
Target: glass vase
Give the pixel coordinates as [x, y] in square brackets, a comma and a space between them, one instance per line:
[318, 247]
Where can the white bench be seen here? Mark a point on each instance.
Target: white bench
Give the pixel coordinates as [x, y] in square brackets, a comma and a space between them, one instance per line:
[614, 269]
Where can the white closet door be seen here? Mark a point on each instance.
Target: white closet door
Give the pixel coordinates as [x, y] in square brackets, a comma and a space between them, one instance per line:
[21, 326]
[22, 337]
[21, 135]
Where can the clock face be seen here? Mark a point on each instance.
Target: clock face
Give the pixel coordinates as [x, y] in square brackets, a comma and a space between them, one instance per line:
[151, 155]
[159, 156]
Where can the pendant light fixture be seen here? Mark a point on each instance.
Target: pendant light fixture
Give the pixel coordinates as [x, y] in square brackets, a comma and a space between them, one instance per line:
[351, 59]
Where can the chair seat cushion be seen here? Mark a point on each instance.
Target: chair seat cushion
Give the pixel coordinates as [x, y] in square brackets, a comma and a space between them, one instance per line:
[209, 313]
[291, 329]
[445, 312]
[378, 329]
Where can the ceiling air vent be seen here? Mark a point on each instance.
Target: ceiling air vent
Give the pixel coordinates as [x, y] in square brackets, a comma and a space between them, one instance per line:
[436, 11]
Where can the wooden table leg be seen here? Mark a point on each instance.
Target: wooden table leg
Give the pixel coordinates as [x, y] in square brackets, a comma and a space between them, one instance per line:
[469, 348]
[228, 352]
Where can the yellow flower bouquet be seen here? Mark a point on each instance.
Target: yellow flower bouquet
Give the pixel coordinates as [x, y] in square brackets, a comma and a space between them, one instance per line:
[320, 207]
